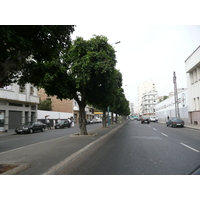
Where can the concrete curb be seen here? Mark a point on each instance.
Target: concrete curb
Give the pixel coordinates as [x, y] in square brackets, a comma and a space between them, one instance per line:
[61, 165]
[16, 170]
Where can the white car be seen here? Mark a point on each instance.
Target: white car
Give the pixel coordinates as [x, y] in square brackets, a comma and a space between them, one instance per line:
[152, 119]
[98, 120]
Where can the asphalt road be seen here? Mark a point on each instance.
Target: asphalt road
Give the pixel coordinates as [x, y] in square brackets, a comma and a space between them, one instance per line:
[13, 141]
[141, 149]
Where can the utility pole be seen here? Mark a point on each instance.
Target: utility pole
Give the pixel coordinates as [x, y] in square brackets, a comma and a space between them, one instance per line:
[176, 96]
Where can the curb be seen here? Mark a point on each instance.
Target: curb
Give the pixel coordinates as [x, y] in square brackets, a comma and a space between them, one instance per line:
[17, 169]
[61, 165]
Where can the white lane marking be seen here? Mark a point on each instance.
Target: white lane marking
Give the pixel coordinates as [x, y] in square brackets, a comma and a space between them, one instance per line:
[189, 147]
[164, 134]
[154, 129]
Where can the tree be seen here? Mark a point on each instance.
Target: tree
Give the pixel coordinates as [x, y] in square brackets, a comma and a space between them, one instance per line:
[45, 105]
[85, 71]
[25, 50]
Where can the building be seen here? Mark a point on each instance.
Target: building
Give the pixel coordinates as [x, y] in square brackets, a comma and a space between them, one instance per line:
[17, 105]
[131, 107]
[192, 65]
[149, 100]
[166, 108]
[144, 88]
[65, 105]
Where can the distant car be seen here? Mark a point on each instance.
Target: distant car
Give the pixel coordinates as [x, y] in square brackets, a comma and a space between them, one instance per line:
[93, 121]
[175, 121]
[145, 120]
[61, 124]
[152, 119]
[31, 127]
[88, 121]
[98, 120]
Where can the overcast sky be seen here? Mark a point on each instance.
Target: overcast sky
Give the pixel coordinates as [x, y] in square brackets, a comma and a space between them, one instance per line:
[148, 53]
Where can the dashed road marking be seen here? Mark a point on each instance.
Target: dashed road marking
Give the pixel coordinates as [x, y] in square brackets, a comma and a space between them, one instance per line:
[164, 134]
[154, 129]
[189, 147]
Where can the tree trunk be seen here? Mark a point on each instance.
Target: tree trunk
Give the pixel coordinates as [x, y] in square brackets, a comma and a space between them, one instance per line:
[116, 118]
[82, 120]
[104, 118]
[112, 118]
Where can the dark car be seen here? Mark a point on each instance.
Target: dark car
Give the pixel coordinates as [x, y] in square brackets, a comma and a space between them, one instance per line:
[31, 127]
[145, 120]
[62, 124]
[175, 121]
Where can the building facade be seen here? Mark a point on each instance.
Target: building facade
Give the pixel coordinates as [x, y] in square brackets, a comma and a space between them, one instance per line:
[192, 65]
[17, 105]
[149, 100]
[166, 108]
[65, 105]
[144, 88]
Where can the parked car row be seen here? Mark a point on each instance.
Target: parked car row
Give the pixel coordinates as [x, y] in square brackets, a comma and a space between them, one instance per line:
[93, 121]
[31, 127]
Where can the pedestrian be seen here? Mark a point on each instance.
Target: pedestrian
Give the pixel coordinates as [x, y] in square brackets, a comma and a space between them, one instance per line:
[72, 121]
[168, 117]
[48, 124]
[156, 119]
[69, 123]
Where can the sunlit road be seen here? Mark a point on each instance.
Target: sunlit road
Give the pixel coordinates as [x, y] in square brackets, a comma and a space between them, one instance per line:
[143, 149]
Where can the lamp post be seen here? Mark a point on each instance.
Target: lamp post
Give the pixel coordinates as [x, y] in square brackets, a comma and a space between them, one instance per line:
[108, 108]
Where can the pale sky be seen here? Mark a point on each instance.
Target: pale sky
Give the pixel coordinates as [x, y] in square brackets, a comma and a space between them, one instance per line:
[148, 53]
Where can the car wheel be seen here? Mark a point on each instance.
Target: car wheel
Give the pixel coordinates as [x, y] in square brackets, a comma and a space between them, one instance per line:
[42, 129]
[31, 131]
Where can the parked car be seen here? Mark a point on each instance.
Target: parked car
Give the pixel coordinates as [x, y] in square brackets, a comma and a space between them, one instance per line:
[152, 119]
[61, 124]
[88, 121]
[145, 120]
[175, 121]
[31, 127]
[93, 121]
[98, 120]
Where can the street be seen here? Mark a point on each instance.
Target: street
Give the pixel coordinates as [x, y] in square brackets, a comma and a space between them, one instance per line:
[141, 149]
[14, 141]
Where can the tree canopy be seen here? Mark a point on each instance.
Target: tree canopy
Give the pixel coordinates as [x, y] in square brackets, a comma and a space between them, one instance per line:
[21, 47]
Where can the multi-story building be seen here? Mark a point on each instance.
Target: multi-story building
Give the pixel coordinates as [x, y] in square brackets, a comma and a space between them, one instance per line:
[149, 100]
[131, 107]
[144, 88]
[17, 105]
[192, 65]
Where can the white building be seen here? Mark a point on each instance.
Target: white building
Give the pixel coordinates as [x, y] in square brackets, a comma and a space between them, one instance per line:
[144, 88]
[131, 107]
[192, 65]
[149, 100]
[17, 105]
[167, 107]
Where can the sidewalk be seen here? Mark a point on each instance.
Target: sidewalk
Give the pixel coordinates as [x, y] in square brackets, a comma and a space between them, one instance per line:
[49, 157]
